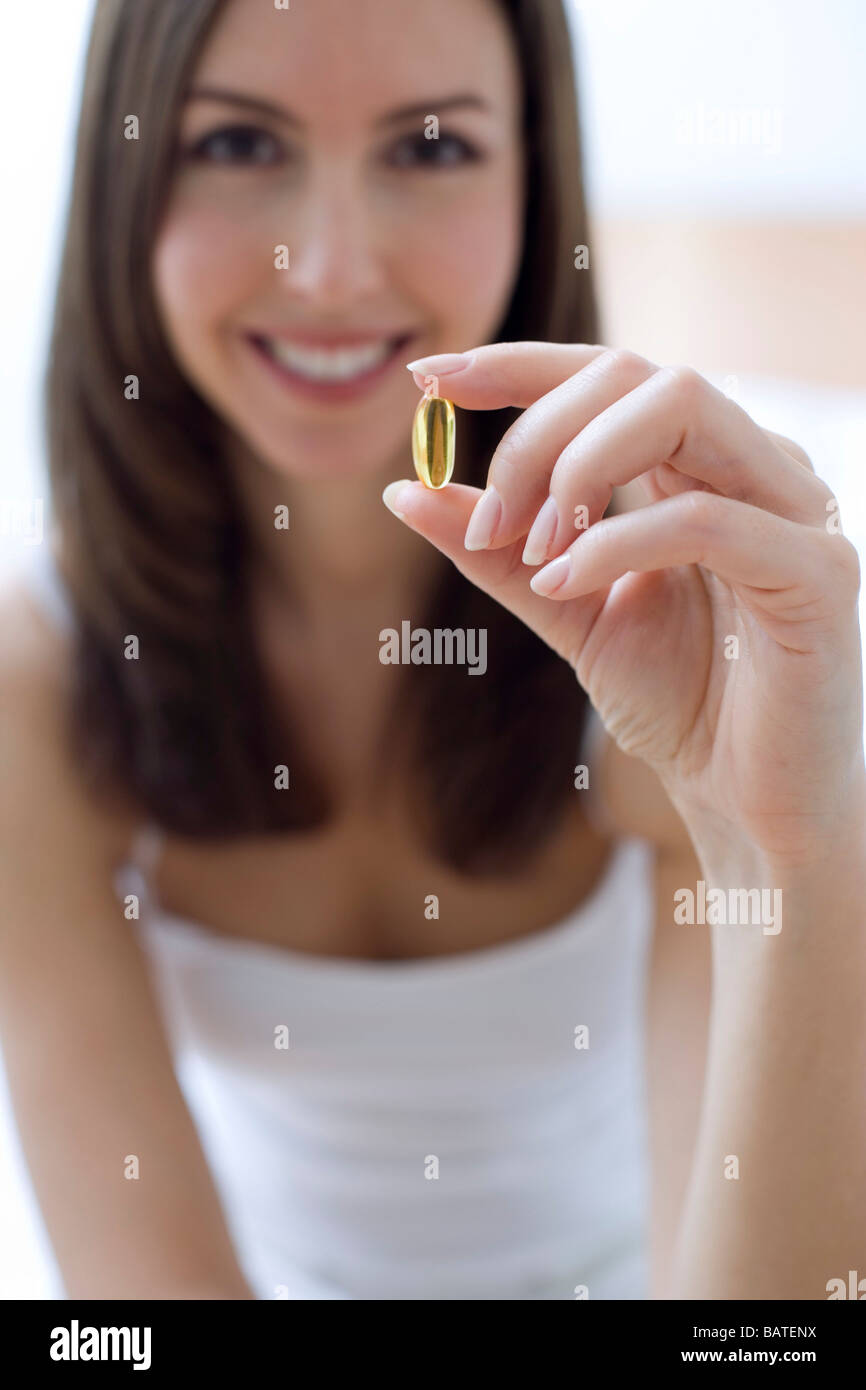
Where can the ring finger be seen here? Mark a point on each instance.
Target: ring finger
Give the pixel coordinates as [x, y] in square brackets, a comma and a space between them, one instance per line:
[673, 427]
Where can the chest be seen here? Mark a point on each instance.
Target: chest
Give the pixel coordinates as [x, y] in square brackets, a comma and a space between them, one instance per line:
[365, 888]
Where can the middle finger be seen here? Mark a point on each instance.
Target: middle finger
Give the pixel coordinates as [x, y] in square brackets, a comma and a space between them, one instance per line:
[518, 479]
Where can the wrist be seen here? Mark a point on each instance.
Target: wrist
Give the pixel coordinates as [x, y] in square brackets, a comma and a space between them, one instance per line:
[745, 895]
[835, 842]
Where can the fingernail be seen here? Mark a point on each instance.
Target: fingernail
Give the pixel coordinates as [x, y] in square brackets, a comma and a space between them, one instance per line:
[483, 521]
[552, 577]
[392, 494]
[441, 365]
[541, 533]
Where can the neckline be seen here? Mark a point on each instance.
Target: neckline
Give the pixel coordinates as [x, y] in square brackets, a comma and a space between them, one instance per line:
[578, 922]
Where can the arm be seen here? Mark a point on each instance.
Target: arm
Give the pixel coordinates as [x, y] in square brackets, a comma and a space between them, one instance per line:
[784, 1093]
[775, 1082]
[89, 1067]
[715, 629]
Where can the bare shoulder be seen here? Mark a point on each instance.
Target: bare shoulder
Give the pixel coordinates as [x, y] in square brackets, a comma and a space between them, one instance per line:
[34, 660]
[42, 790]
[81, 1030]
[29, 641]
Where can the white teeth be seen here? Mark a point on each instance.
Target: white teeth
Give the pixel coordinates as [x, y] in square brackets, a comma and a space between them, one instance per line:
[328, 364]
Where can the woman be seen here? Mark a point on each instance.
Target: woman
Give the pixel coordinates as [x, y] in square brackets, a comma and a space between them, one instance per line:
[362, 1014]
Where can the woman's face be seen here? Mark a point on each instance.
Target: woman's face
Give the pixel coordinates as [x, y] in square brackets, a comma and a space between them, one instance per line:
[394, 245]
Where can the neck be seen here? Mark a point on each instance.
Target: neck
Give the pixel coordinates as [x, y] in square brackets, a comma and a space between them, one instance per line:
[342, 556]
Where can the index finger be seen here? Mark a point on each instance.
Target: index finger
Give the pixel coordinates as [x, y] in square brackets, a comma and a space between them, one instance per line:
[502, 374]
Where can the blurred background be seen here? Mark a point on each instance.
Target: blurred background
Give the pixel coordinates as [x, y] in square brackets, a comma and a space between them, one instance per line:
[726, 148]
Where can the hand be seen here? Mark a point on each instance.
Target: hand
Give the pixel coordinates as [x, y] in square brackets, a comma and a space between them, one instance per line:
[715, 629]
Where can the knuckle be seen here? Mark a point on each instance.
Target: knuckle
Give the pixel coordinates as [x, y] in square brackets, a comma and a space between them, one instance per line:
[505, 351]
[564, 472]
[700, 509]
[825, 493]
[686, 385]
[796, 452]
[625, 364]
[846, 562]
[510, 455]
[506, 359]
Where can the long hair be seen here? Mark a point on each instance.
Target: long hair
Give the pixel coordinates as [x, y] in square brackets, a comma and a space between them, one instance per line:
[152, 544]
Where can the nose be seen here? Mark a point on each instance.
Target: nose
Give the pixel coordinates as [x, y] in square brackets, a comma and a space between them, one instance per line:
[335, 251]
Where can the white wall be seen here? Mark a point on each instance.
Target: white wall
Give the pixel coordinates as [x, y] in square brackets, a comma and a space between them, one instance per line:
[672, 91]
[40, 69]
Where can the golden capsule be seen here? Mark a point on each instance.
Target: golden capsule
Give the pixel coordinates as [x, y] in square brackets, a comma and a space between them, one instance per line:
[433, 441]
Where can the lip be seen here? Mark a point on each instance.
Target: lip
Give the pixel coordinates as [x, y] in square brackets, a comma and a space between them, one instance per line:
[322, 337]
[333, 391]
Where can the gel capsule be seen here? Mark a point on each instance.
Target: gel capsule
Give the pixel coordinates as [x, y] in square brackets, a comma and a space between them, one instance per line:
[433, 441]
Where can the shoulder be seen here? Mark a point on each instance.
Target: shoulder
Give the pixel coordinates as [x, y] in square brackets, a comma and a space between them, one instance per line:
[34, 654]
[43, 793]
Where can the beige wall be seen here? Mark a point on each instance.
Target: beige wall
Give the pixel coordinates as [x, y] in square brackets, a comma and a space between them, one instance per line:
[785, 299]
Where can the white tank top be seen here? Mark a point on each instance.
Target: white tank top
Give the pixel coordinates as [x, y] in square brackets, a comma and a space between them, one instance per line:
[462, 1127]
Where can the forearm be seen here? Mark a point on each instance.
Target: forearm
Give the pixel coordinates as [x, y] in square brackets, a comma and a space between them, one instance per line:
[166, 1290]
[775, 1205]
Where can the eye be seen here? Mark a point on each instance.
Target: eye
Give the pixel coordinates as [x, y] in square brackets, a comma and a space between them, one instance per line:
[448, 152]
[237, 144]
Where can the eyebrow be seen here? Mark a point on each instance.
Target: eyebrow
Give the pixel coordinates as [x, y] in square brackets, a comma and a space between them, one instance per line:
[417, 109]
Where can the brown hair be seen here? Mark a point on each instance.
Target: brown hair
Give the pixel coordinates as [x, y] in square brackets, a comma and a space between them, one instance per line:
[152, 541]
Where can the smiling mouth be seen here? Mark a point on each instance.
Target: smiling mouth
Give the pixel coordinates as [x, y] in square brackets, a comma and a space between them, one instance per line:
[333, 365]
